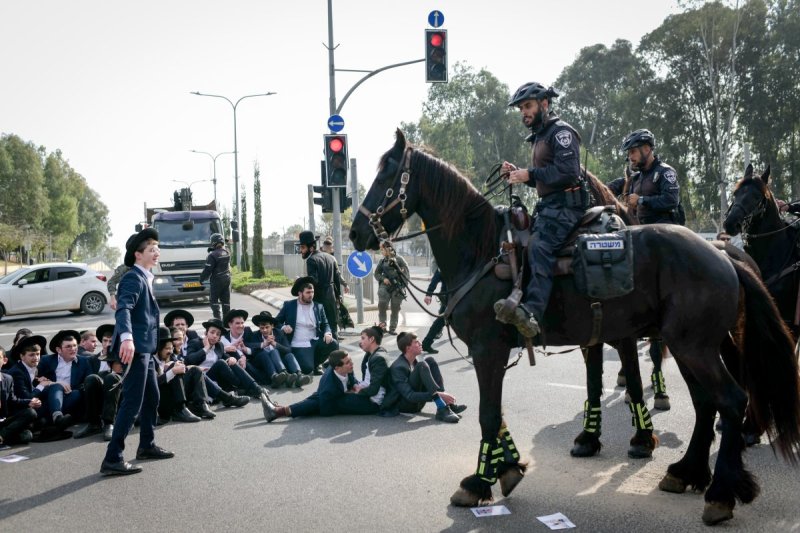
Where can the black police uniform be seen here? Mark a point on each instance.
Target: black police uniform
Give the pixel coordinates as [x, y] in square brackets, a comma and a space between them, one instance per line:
[555, 168]
[218, 270]
[658, 190]
[323, 268]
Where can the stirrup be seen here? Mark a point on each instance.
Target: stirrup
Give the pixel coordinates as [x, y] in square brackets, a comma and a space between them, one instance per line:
[525, 323]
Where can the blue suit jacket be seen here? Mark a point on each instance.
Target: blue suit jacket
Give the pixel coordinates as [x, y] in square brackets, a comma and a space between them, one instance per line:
[288, 315]
[81, 369]
[23, 387]
[10, 403]
[137, 313]
[330, 391]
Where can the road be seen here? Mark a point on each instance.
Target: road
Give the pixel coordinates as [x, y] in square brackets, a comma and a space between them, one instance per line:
[237, 473]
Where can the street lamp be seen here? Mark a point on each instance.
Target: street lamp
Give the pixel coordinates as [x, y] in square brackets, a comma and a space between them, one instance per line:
[214, 160]
[237, 210]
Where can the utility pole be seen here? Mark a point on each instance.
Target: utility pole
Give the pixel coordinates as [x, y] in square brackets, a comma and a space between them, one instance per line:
[337, 215]
[356, 201]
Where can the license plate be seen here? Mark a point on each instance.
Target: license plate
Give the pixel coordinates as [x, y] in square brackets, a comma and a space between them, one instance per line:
[192, 285]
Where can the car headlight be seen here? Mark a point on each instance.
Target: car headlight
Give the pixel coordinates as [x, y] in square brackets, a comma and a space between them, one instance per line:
[160, 280]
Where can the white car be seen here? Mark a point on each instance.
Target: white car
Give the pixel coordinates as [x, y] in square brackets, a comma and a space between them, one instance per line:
[52, 287]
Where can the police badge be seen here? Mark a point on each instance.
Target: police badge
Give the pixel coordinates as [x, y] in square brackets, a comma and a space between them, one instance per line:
[670, 176]
[564, 138]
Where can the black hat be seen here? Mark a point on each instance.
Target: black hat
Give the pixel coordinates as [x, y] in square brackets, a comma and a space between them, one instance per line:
[264, 317]
[29, 340]
[178, 313]
[134, 241]
[214, 323]
[308, 238]
[105, 330]
[233, 313]
[60, 336]
[164, 334]
[302, 281]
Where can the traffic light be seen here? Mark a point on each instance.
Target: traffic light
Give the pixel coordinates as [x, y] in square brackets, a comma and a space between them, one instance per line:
[235, 229]
[344, 200]
[325, 198]
[436, 56]
[336, 160]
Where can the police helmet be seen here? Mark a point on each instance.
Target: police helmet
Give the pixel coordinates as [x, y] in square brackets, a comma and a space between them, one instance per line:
[216, 238]
[532, 91]
[638, 138]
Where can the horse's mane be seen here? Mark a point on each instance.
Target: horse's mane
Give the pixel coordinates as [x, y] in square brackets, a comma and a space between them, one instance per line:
[603, 196]
[460, 202]
[763, 187]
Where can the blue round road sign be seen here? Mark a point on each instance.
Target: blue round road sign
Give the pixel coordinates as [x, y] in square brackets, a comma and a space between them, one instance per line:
[435, 18]
[359, 264]
[336, 123]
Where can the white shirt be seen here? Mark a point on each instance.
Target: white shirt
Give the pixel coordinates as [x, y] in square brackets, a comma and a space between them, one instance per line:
[170, 374]
[234, 340]
[305, 327]
[342, 378]
[211, 358]
[64, 371]
[378, 397]
[32, 373]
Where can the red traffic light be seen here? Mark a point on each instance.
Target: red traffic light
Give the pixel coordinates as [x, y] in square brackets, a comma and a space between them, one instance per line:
[336, 144]
[437, 39]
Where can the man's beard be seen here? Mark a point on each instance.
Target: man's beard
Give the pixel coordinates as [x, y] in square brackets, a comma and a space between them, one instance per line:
[305, 254]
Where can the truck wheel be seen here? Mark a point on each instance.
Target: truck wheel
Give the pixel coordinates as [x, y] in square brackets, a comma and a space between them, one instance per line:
[92, 303]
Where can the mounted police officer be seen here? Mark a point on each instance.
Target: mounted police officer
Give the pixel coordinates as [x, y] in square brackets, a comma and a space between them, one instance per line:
[218, 270]
[563, 198]
[652, 191]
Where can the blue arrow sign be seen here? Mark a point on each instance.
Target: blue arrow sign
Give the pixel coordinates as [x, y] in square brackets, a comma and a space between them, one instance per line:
[359, 264]
[435, 18]
[336, 123]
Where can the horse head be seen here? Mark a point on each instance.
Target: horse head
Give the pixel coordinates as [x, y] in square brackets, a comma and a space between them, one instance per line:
[751, 199]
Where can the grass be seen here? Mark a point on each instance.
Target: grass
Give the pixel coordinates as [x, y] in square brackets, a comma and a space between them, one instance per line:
[244, 282]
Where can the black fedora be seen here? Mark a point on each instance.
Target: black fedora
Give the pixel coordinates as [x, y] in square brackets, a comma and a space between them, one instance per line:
[308, 238]
[302, 281]
[134, 241]
[60, 336]
[233, 313]
[264, 317]
[104, 330]
[31, 340]
[214, 323]
[178, 313]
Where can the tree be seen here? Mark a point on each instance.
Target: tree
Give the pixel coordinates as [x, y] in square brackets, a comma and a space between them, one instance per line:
[245, 266]
[258, 250]
[273, 241]
[292, 232]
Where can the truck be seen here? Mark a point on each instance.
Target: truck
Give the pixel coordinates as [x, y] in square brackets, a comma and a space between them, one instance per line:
[184, 231]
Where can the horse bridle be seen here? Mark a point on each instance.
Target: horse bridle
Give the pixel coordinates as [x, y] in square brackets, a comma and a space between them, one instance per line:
[403, 174]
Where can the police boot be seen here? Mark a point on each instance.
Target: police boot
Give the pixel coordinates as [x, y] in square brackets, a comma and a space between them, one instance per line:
[520, 318]
[225, 309]
[215, 311]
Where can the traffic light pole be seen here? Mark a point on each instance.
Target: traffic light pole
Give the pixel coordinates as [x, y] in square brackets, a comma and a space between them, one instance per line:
[359, 281]
[311, 225]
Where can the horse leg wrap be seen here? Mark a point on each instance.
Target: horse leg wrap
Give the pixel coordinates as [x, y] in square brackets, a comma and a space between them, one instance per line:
[510, 453]
[491, 453]
[640, 418]
[657, 379]
[591, 418]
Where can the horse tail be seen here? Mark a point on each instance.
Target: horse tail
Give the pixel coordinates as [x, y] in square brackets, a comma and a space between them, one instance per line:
[771, 371]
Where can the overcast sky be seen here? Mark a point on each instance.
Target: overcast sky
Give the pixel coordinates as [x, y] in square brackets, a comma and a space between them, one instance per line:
[109, 83]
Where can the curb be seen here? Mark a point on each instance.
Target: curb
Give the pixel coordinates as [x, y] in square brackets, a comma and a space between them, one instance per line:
[276, 301]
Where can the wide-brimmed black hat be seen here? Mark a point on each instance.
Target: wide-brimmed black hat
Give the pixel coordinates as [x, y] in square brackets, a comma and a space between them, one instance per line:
[104, 330]
[302, 281]
[61, 335]
[164, 336]
[134, 241]
[178, 313]
[264, 317]
[214, 323]
[308, 238]
[233, 313]
[30, 340]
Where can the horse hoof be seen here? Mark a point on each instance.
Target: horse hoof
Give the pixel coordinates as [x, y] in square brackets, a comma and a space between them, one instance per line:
[622, 380]
[511, 478]
[661, 402]
[673, 484]
[716, 512]
[751, 439]
[586, 449]
[627, 398]
[640, 451]
[465, 498]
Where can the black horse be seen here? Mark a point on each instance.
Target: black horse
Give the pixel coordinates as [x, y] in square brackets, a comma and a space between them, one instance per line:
[771, 242]
[702, 303]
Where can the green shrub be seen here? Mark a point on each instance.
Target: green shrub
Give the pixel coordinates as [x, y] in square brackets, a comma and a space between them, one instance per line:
[245, 282]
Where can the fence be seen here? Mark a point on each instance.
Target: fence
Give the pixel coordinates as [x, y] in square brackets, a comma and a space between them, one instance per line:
[293, 266]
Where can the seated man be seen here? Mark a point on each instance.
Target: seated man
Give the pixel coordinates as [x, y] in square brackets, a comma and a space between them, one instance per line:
[306, 326]
[178, 387]
[235, 343]
[416, 383]
[183, 320]
[88, 343]
[376, 381]
[209, 355]
[271, 351]
[335, 383]
[109, 368]
[16, 414]
[77, 391]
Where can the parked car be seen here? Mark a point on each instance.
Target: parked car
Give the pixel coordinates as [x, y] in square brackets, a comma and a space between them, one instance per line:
[49, 287]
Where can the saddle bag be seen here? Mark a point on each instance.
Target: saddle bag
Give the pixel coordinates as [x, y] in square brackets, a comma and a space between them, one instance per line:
[603, 265]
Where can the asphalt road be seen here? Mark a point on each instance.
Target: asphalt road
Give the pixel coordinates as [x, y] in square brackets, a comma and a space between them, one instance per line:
[237, 473]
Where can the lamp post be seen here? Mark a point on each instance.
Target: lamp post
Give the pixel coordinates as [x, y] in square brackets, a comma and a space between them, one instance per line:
[214, 160]
[236, 208]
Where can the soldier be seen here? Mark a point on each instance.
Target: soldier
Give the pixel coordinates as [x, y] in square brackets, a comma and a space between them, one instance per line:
[218, 270]
[390, 274]
[112, 283]
[563, 198]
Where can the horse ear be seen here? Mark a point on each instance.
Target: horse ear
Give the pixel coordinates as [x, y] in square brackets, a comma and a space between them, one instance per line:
[765, 175]
[748, 173]
[400, 140]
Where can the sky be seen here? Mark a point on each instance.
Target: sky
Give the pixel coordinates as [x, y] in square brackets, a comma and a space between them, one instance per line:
[108, 83]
